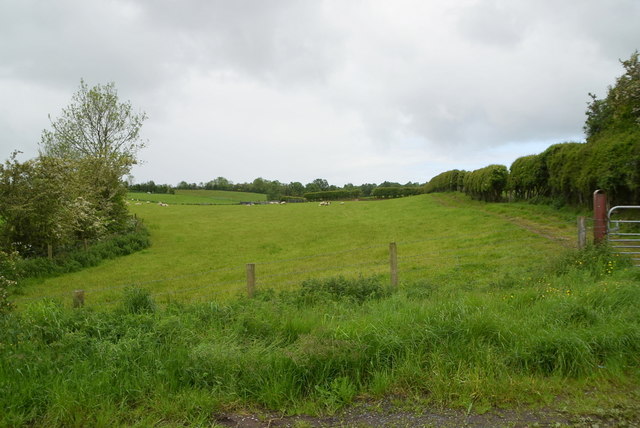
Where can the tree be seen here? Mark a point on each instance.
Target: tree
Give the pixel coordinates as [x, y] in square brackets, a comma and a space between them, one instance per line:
[96, 125]
[620, 109]
[99, 138]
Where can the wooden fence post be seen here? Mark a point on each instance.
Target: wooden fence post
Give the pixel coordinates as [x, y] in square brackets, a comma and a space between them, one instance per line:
[251, 280]
[50, 251]
[599, 216]
[582, 233]
[78, 298]
[393, 262]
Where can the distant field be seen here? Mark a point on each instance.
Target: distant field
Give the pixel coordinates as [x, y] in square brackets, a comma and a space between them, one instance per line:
[200, 252]
[198, 197]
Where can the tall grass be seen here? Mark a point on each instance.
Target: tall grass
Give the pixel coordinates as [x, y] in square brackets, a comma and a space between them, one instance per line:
[321, 346]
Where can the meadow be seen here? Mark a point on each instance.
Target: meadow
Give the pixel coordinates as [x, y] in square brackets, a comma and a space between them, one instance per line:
[494, 310]
[198, 197]
[200, 252]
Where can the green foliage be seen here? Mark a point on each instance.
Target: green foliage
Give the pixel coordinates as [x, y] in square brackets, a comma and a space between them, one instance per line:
[98, 126]
[73, 191]
[486, 183]
[8, 279]
[611, 161]
[285, 198]
[569, 173]
[563, 163]
[181, 363]
[448, 181]
[597, 260]
[79, 258]
[332, 195]
[386, 192]
[357, 290]
[151, 187]
[620, 110]
[138, 300]
[528, 177]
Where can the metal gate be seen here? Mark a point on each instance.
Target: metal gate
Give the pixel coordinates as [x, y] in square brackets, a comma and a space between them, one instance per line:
[623, 231]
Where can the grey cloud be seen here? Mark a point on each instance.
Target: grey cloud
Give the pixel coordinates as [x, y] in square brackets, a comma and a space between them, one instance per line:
[459, 76]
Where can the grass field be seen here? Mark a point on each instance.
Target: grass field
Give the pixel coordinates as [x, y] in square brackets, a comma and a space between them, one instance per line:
[201, 251]
[493, 312]
[199, 197]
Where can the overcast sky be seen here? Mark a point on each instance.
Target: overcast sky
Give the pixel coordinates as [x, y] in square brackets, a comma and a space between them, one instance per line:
[292, 90]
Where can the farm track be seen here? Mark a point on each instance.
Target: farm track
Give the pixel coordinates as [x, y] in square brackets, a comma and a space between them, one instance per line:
[385, 414]
[545, 231]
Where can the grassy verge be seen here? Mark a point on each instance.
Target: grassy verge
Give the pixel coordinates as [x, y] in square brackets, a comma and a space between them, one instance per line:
[325, 344]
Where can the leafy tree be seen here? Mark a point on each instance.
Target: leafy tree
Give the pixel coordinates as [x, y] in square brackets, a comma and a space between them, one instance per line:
[317, 185]
[100, 137]
[96, 125]
[295, 188]
[620, 109]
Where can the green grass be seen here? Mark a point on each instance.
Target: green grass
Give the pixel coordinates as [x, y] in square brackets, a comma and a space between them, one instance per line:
[200, 252]
[321, 348]
[198, 197]
[491, 312]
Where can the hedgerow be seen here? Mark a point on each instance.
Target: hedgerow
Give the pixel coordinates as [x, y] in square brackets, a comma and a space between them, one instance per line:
[332, 195]
[81, 258]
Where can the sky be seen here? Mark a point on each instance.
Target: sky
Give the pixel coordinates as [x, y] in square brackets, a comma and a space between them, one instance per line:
[351, 91]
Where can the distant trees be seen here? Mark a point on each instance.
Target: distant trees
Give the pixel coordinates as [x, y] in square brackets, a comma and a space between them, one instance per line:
[386, 192]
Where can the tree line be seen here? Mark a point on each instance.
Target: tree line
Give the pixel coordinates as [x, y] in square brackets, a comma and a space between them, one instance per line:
[275, 190]
[569, 173]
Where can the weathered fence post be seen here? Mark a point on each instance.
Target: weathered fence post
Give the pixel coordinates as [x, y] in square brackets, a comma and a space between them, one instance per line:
[599, 216]
[582, 233]
[50, 251]
[78, 298]
[251, 279]
[393, 262]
